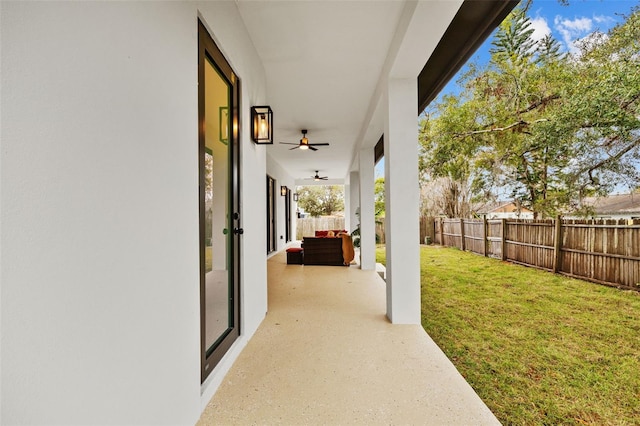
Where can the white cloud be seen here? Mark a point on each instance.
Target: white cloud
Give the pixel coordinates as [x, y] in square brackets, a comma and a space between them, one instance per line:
[603, 19]
[579, 30]
[578, 25]
[591, 40]
[572, 30]
[540, 28]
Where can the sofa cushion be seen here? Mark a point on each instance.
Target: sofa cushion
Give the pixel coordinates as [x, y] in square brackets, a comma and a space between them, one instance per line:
[323, 234]
[347, 249]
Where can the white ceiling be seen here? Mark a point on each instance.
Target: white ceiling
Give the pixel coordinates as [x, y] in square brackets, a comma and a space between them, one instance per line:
[324, 61]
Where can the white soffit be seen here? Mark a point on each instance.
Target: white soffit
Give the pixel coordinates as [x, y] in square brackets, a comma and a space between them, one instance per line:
[324, 61]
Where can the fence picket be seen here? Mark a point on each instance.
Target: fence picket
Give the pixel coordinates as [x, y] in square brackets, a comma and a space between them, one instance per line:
[606, 252]
[306, 227]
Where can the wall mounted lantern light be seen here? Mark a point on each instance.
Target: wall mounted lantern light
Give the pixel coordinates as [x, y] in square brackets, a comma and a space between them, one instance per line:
[262, 125]
[295, 196]
[283, 190]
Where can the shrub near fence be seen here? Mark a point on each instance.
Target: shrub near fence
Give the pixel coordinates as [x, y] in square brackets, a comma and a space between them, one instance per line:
[605, 251]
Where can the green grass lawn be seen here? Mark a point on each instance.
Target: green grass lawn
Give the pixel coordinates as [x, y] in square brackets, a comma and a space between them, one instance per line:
[538, 348]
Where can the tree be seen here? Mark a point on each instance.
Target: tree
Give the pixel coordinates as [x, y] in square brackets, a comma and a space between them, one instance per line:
[550, 129]
[321, 200]
[601, 117]
[513, 43]
[378, 197]
[443, 196]
[445, 168]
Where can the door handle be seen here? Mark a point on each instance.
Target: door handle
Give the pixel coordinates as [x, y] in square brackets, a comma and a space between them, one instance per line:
[238, 231]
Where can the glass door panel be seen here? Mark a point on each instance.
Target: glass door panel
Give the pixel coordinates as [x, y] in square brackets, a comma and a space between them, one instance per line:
[271, 214]
[217, 215]
[219, 200]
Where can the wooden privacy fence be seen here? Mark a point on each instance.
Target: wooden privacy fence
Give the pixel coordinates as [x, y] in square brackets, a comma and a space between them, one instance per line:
[380, 232]
[307, 227]
[427, 232]
[604, 251]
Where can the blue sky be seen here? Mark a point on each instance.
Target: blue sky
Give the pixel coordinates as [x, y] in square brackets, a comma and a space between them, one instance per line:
[571, 23]
[568, 24]
[576, 21]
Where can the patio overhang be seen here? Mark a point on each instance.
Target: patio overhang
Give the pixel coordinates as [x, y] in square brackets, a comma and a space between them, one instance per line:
[356, 73]
[327, 64]
[471, 26]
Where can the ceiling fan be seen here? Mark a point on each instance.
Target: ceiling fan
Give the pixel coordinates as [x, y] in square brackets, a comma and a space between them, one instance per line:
[304, 143]
[317, 177]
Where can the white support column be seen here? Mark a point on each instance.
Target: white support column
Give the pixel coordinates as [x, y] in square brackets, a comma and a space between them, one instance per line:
[347, 207]
[402, 202]
[354, 200]
[367, 213]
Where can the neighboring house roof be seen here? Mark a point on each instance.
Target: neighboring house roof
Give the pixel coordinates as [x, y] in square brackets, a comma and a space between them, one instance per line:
[614, 204]
[499, 207]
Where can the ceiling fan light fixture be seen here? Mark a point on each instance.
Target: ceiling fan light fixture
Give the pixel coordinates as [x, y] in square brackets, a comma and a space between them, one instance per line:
[304, 143]
[318, 178]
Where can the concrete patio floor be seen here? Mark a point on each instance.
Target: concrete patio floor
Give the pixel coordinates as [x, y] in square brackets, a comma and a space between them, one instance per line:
[327, 355]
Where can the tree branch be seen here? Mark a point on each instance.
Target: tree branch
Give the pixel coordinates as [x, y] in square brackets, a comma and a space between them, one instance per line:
[541, 102]
[614, 157]
[520, 123]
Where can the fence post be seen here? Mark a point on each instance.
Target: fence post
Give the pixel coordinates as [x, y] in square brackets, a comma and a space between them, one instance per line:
[462, 234]
[557, 244]
[504, 239]
[441, 233]
[485, 235]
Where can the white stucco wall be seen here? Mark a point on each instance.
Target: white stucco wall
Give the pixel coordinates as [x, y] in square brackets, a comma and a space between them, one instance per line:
[99, 209]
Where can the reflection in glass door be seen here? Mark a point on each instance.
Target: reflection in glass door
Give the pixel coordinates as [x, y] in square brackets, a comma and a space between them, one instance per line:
[219, 227]
[287, 216]
[217, 215]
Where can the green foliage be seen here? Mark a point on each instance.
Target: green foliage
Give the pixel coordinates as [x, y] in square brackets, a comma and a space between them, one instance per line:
[355, 235]
[548, 50]
[602, 102]
[552, 129]
[321, 200]
[379, 197]
[513, 42]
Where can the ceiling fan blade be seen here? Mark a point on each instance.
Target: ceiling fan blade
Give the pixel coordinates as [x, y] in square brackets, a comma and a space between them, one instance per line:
[324, 178]
[318, 144]
[287, 143]
[291, 149]
[312, 148]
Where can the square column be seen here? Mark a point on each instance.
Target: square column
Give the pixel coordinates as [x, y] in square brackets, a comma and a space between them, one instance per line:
[367, 210]
[347, 207]
[402, 231]
[354, 201]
